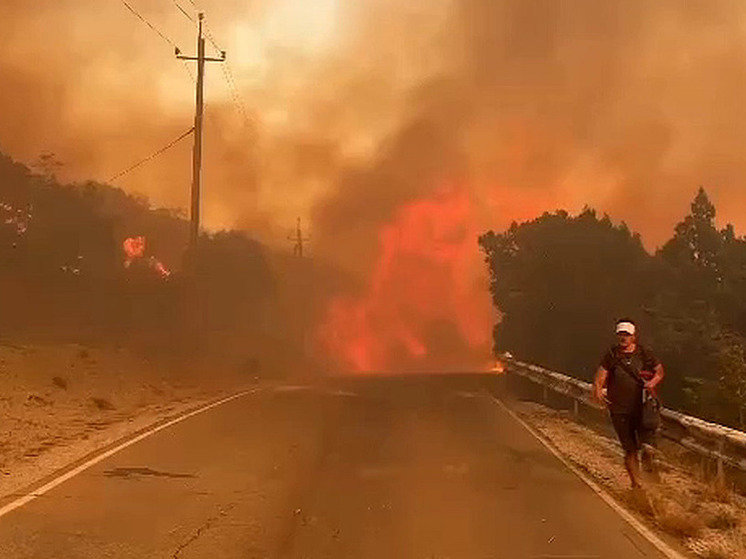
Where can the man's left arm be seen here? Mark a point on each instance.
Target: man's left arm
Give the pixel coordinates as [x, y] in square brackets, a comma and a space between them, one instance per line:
[655, 368]
[658, 375]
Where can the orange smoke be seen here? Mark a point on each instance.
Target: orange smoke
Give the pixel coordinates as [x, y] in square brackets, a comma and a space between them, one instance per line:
[134, 250]
[424, 291]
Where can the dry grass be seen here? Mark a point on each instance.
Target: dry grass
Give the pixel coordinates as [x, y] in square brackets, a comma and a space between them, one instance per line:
[719, 516]
[59, 382]
[702, 514]
[50, 394]
[103, 404]
[59, 403]
[674, 517]
[715, 544]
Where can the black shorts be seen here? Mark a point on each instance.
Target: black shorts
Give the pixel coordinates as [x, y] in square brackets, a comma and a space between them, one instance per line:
[632, 435]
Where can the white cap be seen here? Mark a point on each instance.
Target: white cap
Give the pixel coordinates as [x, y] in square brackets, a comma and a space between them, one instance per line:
[626, 327]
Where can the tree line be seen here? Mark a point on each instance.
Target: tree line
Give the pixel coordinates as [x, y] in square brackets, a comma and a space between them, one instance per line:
[560, 281]
[63, 276]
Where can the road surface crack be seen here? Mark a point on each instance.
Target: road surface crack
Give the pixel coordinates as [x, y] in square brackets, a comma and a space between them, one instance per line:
[128, 473]
[209, 523]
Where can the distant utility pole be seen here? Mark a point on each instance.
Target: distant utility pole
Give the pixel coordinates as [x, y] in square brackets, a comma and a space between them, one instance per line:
[299, 239]
[198, 117]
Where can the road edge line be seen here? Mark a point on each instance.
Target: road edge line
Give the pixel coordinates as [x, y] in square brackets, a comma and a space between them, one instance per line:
[643, 530]
[34, 494]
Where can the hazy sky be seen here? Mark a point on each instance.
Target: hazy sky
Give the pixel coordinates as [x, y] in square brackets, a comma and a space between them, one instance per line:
[358, 108]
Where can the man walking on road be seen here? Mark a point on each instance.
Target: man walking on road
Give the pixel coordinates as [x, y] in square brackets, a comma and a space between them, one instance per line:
[626, 378]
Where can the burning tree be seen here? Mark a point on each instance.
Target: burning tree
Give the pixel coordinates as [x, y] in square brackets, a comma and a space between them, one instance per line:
[134, 251]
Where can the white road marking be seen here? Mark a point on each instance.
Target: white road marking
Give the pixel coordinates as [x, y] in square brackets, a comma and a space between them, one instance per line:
[643, 530]
[291, 388]
[307, 387]
[343, 393]
[104, 455]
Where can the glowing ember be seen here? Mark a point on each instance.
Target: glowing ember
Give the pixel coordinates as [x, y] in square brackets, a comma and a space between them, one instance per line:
[16, 218]
[134, 250]
[424, 299]
[158, 266]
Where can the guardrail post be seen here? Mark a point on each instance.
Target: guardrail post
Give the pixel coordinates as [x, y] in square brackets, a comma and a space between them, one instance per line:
[544, 393]
[720, 465]
[575, 407]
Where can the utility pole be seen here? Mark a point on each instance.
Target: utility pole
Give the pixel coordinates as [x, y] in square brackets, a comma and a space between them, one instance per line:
[299, 239]
[198, 118]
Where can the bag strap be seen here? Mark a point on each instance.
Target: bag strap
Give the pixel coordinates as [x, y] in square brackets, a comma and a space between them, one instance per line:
[633, 373]
[629, 370]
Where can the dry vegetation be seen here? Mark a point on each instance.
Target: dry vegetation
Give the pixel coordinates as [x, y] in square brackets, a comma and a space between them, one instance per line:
[59, 402]
[707, 519]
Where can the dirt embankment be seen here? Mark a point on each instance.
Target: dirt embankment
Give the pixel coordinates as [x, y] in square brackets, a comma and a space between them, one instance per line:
[59, 403]
[708, 519]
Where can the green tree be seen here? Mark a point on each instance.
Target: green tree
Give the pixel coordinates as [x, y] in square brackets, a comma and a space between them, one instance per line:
[708, 265]
[696, 242]
[560, 282]
[731, 357]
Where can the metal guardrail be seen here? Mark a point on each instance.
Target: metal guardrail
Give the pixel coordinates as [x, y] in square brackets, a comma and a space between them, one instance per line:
[724, 445]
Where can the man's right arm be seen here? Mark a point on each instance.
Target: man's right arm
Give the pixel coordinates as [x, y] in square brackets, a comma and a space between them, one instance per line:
[599, 384]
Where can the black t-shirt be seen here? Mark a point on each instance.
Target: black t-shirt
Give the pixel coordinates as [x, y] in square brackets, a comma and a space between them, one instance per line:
[624, 392]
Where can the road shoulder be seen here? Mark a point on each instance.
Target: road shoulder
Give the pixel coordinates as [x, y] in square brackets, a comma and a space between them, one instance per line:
[689, 515]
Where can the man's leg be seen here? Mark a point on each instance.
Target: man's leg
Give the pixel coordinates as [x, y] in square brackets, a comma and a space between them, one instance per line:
[625, 430]
[633, 468]
[648, 440]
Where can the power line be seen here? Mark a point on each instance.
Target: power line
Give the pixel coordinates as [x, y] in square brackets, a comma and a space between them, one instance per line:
[230, 80]
[211, 38]
[146, 22]
[183, 11]
[236, 96]
[189, 71]
[190, 18]
[152, 155]
[160, 34]
[208, 33]
[228, 75]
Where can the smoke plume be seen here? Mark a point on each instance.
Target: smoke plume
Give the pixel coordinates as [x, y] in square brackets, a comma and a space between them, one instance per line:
[348, 114]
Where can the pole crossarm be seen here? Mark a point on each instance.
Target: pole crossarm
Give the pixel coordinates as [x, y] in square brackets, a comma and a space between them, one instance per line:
[206, 59]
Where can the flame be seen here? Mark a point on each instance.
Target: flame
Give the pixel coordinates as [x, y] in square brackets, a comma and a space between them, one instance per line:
[427, 275]
[134, 250]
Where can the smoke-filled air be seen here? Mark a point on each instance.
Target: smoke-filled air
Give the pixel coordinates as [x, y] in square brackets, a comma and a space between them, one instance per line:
[394, 279]
[397, 131]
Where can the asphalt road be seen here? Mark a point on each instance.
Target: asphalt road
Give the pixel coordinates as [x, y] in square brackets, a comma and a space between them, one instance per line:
[384, 468]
